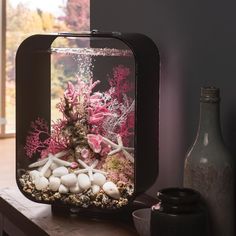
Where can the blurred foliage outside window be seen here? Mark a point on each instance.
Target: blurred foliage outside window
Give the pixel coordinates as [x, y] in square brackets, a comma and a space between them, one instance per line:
[27, 17]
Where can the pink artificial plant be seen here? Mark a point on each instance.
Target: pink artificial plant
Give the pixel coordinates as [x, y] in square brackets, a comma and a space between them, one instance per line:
[106, 113]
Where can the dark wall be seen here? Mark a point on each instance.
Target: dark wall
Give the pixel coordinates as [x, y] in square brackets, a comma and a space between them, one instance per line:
[197, 43]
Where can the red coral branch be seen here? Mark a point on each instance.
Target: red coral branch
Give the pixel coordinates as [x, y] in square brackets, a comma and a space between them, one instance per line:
[38, 139]
[126, 131]
[59, 140]
[120, 83]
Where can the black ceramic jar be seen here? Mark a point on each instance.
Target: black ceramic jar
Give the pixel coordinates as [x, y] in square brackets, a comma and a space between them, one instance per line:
[179, 212]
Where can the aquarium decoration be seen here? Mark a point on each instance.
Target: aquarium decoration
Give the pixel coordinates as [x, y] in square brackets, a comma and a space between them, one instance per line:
[85, 153]
[90, 143]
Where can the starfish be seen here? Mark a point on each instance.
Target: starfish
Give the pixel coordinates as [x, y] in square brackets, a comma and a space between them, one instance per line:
[89, 169]
[119, 147]
[46, 163]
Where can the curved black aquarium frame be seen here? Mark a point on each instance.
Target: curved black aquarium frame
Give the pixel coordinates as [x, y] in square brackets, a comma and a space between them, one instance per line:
[33, 77]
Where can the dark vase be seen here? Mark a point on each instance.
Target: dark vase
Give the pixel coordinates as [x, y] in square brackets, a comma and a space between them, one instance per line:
[209, 167]
[179, 212]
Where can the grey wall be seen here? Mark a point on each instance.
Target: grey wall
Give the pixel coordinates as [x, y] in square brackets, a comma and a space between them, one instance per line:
[197, 43]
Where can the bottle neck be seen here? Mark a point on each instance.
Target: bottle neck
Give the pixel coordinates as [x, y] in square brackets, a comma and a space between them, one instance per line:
[209, 125]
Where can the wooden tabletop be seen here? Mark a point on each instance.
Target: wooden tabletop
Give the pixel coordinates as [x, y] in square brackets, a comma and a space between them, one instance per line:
[30, 218]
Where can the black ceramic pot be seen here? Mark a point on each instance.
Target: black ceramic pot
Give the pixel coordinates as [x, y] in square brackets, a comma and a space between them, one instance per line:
[179, 212]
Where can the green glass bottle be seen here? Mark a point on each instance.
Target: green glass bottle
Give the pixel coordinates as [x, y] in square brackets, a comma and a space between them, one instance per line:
[209, 167]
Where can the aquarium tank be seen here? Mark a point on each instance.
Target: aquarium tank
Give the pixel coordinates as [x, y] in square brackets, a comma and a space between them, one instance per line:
[87, 118]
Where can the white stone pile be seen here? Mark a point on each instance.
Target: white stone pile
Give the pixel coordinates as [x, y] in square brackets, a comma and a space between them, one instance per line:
[58, 179]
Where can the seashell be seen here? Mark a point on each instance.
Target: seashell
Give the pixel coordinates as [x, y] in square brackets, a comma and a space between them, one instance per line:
[75, 189]
[84, 181]
[63, 189]
[53, 166]
[69, 180]
[60, 171]
[34, 174]
[95, 189]
[111, 190]
[99, 179]
[54, 183]
[41, 183]
[47, 174]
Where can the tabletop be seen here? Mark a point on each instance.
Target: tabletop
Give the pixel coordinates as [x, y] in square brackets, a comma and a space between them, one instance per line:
[19, 214]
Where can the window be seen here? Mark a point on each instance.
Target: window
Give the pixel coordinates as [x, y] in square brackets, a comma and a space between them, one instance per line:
[21, 18]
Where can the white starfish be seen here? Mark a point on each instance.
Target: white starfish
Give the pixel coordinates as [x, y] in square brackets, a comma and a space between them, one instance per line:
[119, 147]
[89, 169]
[46, 163]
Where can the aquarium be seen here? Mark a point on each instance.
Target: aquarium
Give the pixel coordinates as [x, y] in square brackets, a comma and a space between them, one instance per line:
[87, 118]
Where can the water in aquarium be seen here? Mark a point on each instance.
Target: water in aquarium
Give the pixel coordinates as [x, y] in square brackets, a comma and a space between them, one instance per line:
[84, 155]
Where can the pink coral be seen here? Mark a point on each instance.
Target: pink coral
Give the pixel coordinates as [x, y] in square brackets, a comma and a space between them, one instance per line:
[86, 116]
[94, 142]
[60, 140]
[105, 150]
[71, 94]
[84, 89]
[97, 114]
[95, 99]
[75, 98]
[38, 139]
[120, 83]
[126, 130]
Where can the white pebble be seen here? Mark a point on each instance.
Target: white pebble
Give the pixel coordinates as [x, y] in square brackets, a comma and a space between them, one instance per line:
[41, 183]
[54, 183]
[111, 190]
[63, 189]
[84, 181]
[60, 171]
[99, 179]
[95, 189]
[34, 174]
[75, 189]
[69, 180]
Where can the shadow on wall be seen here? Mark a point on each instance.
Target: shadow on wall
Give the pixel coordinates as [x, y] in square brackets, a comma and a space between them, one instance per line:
[229, 130]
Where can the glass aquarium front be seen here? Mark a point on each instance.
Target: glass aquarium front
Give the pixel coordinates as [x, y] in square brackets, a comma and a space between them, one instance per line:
[84, 154]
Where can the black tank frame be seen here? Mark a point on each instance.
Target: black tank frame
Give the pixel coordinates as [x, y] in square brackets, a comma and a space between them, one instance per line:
[33, 77]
